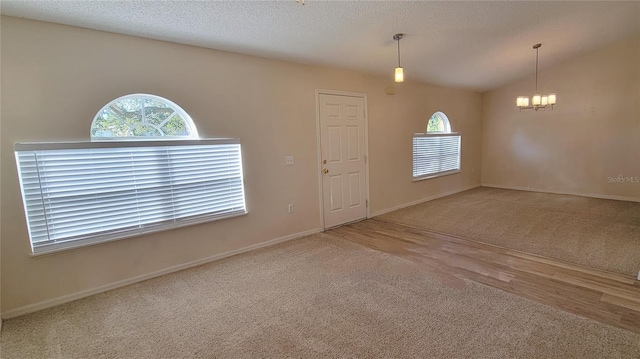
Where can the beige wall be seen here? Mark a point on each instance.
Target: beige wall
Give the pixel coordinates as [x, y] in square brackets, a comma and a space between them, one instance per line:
[0, 174]
[55, 78]
[592, 134]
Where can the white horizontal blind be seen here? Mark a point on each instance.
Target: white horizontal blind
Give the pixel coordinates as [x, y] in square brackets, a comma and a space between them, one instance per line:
[435, 154]
[80, 193]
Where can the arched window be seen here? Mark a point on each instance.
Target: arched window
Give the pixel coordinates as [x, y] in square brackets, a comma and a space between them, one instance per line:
[437, 151]
[438, 123]
[140, 116]
[115, 186]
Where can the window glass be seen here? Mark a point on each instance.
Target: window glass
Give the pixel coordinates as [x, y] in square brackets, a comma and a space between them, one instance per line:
[140, 116]
[438, 123]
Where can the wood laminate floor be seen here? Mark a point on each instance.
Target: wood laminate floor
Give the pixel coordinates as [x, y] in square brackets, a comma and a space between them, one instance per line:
[607, 297]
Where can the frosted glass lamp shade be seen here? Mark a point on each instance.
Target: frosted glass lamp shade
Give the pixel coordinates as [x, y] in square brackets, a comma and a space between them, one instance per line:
[552, 99]
[535, 101]
[399, 74]
[522, 101]
[544, 100]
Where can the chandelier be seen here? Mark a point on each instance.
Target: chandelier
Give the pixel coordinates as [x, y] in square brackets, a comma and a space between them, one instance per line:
[538, 101]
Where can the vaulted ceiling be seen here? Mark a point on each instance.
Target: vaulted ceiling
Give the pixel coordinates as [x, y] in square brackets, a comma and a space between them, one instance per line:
[475, 45]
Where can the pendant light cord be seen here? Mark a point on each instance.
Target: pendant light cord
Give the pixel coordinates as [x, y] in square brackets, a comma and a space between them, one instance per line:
[537, 48]
[399, 53]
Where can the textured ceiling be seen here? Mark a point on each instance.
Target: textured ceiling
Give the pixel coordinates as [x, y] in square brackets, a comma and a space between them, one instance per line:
[475, 45]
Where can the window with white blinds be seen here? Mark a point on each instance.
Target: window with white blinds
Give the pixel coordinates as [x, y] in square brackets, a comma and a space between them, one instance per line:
[77, 194]
[435, 154]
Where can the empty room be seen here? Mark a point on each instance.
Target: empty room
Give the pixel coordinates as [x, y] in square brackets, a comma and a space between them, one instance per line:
[319, 179]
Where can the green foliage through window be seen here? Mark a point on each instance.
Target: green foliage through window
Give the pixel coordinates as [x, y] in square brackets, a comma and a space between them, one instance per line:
[438, 123]
[139, 116]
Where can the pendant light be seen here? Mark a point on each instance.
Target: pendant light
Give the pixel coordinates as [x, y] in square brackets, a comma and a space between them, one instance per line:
[537, 101]
[399, 71]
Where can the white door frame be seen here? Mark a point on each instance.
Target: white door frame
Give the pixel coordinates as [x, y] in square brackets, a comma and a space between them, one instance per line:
[319, 147]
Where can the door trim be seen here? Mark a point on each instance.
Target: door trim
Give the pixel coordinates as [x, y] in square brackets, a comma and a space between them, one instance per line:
[319, 147]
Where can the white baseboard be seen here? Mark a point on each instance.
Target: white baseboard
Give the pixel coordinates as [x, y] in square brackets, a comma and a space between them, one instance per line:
[591, 195]
[88, 292]
[395, 208]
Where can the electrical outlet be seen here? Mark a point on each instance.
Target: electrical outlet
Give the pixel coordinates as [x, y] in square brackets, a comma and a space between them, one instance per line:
[290, 208]
[288, 160]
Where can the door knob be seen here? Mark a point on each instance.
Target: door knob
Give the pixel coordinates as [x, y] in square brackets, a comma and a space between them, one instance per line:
[325, 171]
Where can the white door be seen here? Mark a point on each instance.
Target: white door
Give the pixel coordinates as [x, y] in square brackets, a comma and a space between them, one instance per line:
[342, 142]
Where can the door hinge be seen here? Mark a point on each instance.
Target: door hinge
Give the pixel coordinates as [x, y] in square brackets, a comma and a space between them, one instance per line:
[365, 159]
[366, 204]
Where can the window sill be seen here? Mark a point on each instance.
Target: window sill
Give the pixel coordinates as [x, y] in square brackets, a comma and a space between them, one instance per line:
[441, 174]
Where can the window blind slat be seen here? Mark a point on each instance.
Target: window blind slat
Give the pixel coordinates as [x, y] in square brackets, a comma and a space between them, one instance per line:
[96, 214]
[89, 194]
[433, 155]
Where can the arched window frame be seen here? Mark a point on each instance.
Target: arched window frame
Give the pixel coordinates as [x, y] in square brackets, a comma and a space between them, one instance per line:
[177, 111]
[437, 119]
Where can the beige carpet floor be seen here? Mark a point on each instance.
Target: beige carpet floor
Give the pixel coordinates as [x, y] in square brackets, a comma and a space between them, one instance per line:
[598, 233]
[317, 297]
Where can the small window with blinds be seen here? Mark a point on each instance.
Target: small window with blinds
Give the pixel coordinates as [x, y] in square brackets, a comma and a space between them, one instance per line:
[145, 170]
[436, 152]
[77, 194]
